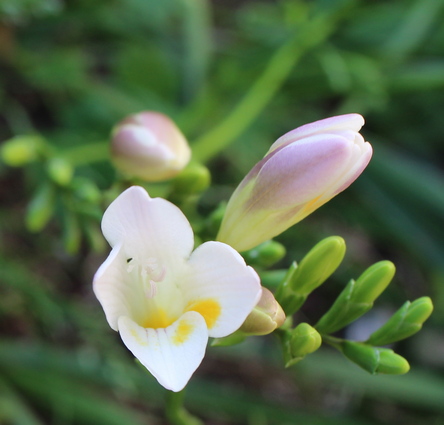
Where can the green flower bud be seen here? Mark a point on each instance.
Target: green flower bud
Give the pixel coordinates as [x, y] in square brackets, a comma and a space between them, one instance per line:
[60, 171]
[375, 359]
[265, 317]
[194, 179]
[405, 322]
[373, 282]
[357, 297]
[86, 190]
[298, 342]
[21, 150]
[41, 208]
[314, 269]
[304, 340]
[266, 254]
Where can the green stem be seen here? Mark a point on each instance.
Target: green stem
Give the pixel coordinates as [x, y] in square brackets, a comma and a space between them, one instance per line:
[264, 88]
[86, 154]
[197, 45]
[333, 341]
[175, 411]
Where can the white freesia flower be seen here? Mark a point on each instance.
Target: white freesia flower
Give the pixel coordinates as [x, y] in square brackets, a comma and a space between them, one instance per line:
[164, 299]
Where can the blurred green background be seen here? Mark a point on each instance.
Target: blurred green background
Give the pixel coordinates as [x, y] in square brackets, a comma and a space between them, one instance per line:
[232, 74]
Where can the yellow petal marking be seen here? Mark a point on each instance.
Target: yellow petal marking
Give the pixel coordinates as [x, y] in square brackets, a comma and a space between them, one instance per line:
[160, 319]
[209, 309]
[312, 205]
[138, 338]
[183, 331]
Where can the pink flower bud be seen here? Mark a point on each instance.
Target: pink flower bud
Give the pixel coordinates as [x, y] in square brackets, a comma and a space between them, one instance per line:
[303, 170]
[149, 146]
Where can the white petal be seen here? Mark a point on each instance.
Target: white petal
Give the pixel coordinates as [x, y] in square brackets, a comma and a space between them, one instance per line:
[221, 287]
[115, 290]
[171, 354]
[148, 228]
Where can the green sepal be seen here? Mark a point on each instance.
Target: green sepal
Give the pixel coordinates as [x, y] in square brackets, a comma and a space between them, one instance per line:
[357, 297]
[313, 270]
[266, 254]
[405, 322]
[375, 359]
[41, 208]
[233, 339]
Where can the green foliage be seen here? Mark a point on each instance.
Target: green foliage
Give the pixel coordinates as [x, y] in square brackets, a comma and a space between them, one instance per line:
[234, 77]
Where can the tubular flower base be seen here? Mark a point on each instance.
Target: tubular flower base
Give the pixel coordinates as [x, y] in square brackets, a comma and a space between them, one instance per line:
[164, 299]
[303, 170]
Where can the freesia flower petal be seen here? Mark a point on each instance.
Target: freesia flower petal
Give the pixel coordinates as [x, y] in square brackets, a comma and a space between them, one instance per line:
[221, 287]
[302, 169]
[171, 354]
[347, 122]
[147, 226]
[116, 291]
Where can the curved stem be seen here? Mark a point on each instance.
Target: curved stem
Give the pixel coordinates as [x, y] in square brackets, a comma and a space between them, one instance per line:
[264, 88]
[86, 154]
[333, 341]
[176, 412]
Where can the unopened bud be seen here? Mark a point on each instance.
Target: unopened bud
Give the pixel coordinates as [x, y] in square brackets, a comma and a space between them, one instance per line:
[357, 297]
[60, 171]
[265, 317]
[149, 146]
[313, 270]
[304, 340]
[375, 359]
[374, 281]
[21, 150]
[266, 254]
[192, 180]
[303, 170]
[405, 322]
